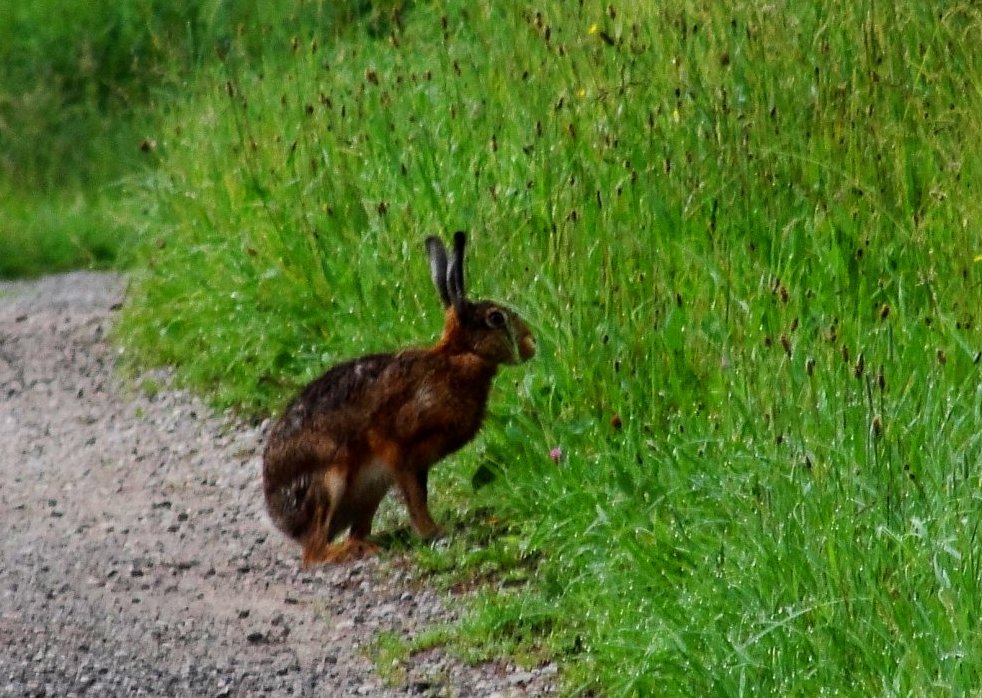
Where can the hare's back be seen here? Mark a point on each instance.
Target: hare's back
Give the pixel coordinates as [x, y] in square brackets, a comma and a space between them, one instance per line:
[341, 394]
[346, 384]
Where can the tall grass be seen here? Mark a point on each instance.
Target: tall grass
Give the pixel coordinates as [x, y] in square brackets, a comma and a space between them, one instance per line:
[748, 239]
[81, 92]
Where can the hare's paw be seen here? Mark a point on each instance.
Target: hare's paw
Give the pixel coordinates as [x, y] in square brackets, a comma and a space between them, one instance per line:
[339, 553]
[353, 549]
[431, 532]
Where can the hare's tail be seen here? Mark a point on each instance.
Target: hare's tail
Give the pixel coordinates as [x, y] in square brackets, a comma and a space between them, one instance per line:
[293, 504]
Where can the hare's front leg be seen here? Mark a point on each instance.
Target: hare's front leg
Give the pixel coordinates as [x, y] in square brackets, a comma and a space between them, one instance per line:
[413, 486]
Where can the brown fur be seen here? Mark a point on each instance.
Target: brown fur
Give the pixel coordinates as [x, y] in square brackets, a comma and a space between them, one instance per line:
[385, 419]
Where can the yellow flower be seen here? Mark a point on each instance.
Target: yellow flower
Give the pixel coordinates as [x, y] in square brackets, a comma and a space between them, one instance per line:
[581, 93]
[594, 28]
[978, 258]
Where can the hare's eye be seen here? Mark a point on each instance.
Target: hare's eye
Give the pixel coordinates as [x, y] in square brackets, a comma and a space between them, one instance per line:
[495, 319]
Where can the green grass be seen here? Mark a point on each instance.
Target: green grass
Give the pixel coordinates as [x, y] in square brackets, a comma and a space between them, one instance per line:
[56, 232]
[84, 86]
[74, 102]
[749, 233]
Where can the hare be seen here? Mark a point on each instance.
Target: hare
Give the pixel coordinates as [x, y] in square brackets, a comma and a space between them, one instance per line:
[385, 419]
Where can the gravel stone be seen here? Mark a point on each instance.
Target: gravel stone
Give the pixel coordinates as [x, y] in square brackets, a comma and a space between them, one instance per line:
[135, 554]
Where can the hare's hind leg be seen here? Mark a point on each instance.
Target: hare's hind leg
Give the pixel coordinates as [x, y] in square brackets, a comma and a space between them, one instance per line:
[332, 516]
[348, 550]
[364, 494]
[367, 492]
[356, 545]
[353, 503]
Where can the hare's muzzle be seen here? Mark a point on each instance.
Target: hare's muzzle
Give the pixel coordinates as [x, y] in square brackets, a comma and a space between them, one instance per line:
[526, 346]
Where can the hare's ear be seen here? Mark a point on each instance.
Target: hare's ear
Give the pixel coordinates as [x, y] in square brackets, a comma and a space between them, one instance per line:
[438, 267]
[455, 271]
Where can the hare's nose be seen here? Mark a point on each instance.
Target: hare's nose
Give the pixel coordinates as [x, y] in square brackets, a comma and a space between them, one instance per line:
[527, 347]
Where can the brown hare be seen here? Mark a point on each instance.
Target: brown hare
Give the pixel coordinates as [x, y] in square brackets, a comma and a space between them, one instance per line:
[387, 418]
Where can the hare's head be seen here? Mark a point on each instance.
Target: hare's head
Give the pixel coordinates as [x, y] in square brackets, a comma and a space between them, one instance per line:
[486, 328]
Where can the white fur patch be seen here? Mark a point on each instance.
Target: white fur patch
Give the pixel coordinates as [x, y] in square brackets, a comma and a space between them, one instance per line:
[426, 398]
[335, 482]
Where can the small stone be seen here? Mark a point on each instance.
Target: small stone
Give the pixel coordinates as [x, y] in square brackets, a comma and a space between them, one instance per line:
[520, 678]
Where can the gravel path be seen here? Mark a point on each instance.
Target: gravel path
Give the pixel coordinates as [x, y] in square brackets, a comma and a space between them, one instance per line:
[135, 557]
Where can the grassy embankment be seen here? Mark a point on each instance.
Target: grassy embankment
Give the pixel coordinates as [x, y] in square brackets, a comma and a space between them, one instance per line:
[749, 239]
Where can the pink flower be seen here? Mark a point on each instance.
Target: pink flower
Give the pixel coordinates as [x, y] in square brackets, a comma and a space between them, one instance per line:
[556, 454]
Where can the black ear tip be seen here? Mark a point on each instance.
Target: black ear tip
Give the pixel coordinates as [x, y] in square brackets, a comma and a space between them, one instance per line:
[459, 238]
